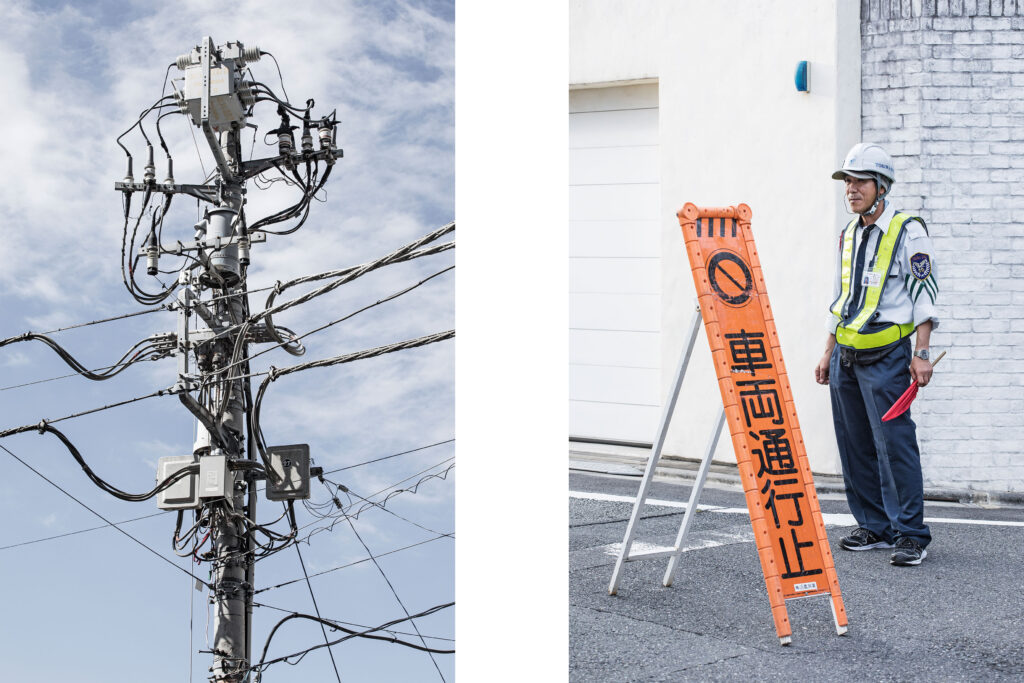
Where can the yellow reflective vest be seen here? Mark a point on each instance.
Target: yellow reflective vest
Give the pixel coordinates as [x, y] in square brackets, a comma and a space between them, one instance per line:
[857, 327]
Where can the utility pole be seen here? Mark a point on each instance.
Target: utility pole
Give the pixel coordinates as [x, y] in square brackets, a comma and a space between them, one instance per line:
[218, 100]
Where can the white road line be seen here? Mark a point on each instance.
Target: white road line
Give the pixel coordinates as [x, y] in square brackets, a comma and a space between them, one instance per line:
[830, 519]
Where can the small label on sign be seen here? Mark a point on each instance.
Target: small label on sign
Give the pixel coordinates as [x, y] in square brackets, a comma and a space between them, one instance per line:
[871, 279]
[809, 586]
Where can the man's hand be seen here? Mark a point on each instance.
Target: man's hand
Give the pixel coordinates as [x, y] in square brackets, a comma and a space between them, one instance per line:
[821, 370]
[920, 371]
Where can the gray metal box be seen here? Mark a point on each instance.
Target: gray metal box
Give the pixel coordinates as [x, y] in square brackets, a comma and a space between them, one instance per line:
[291, 463]
[215, 479]
[182, 494]
[225, 105]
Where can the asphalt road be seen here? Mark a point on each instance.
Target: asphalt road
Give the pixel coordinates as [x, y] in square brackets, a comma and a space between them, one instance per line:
[959, 616]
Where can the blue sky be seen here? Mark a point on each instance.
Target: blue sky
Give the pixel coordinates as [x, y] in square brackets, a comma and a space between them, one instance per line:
[75, 77]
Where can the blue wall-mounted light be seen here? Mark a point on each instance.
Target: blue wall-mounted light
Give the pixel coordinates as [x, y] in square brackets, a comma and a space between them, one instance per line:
[803, 77]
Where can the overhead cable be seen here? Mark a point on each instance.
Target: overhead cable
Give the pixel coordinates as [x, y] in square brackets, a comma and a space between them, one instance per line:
[151, 348]
[109, 523]
[43, 427]
[274, 373]
[263, 664]
[354, 563]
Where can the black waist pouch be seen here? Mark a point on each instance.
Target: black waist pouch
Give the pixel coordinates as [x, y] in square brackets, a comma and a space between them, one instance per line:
[850, 356]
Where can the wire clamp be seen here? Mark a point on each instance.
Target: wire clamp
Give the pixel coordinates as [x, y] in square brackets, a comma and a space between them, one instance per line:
[42, 426]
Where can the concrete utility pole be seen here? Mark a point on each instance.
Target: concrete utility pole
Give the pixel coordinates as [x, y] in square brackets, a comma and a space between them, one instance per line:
[218, 100]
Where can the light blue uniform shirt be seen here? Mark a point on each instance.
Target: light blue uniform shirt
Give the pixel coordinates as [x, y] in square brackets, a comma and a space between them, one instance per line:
[911, 292]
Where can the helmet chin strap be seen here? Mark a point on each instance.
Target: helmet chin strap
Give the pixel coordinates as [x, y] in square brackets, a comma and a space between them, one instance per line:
[879, 199]
[874, 207]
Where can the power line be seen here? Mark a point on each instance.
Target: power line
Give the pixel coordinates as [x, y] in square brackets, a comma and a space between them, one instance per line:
[82, 531]
[165, 307]
[401, 604]
[352, 564]
[24, 428]
[316, 608]
[109, 523]
[394, 455]
[166, 512]
[338, 320]
[259, 668]
[354, 625]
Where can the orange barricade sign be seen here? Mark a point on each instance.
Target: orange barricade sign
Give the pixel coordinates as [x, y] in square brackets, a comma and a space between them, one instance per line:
[760, 413]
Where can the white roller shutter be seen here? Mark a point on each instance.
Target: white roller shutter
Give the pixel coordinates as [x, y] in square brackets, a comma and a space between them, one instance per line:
[614, 263]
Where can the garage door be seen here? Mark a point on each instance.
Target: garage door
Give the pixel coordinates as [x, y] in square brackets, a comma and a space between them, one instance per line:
[614, 264]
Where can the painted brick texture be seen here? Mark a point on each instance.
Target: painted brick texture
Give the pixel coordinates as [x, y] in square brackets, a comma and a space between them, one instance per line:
[943, 92]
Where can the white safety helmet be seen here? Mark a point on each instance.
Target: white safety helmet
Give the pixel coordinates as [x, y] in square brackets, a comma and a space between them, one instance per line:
[867, 160]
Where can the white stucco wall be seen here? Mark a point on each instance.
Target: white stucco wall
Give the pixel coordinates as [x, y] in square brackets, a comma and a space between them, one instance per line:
[734, 129]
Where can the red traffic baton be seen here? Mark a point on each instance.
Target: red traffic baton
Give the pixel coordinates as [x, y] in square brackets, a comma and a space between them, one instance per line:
[904, 401]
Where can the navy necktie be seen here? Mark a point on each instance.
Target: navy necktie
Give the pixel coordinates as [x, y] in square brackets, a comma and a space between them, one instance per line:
[858, 270]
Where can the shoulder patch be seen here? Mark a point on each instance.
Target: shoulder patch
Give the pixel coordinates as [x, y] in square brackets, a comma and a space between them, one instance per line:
[920, 266]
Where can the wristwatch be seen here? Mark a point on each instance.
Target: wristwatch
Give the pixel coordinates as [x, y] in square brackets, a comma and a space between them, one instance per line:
[921, 353]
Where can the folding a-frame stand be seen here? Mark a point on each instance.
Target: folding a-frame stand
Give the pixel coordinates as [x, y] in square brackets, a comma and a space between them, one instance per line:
[758, 406]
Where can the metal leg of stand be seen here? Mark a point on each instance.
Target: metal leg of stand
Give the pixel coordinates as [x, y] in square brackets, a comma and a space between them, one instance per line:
[691, 507]
[659, 443]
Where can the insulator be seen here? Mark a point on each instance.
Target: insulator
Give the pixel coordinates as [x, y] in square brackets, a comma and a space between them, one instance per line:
[170, 172]
[129, 178]
[184, 61]
[307, 140]
[182, 101]
[246, 94]
[285, 142]
[251, 54]
[150, 170]
[325, 137]
[152, 255]
[243, 250]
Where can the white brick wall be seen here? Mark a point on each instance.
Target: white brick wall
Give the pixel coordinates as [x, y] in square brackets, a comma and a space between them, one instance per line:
[943, 92]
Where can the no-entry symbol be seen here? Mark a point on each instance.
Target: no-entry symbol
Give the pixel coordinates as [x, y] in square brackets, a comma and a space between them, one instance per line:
[730, 277]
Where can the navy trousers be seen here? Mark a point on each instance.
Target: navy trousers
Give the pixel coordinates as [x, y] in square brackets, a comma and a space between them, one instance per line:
[881, 461]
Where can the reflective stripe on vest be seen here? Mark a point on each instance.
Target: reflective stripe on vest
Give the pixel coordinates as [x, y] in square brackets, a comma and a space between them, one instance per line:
[852, 331]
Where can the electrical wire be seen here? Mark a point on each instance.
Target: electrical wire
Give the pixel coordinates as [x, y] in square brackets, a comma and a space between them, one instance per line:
[167, 512]
[259, 668]
[82, 531]
[96, 479]
[160, 392]
[274, 373]
[293, 338]
[412, 620]
[109, 523]
[316, 608]
[354, 625]
[356, 562]
[165, 307]
[147, 349]
[345, 512]
[381, 505]
[393, 455]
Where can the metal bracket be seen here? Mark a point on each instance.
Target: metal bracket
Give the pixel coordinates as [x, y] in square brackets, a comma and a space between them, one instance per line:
[207, 193]
[256, 166]
[212, 243]
[218, 435]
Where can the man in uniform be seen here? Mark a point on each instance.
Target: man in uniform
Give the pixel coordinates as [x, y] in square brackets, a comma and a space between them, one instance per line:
[884, 293]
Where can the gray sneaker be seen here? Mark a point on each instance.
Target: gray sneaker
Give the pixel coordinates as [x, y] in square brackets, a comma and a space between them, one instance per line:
[908, 552]
[863, 539]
